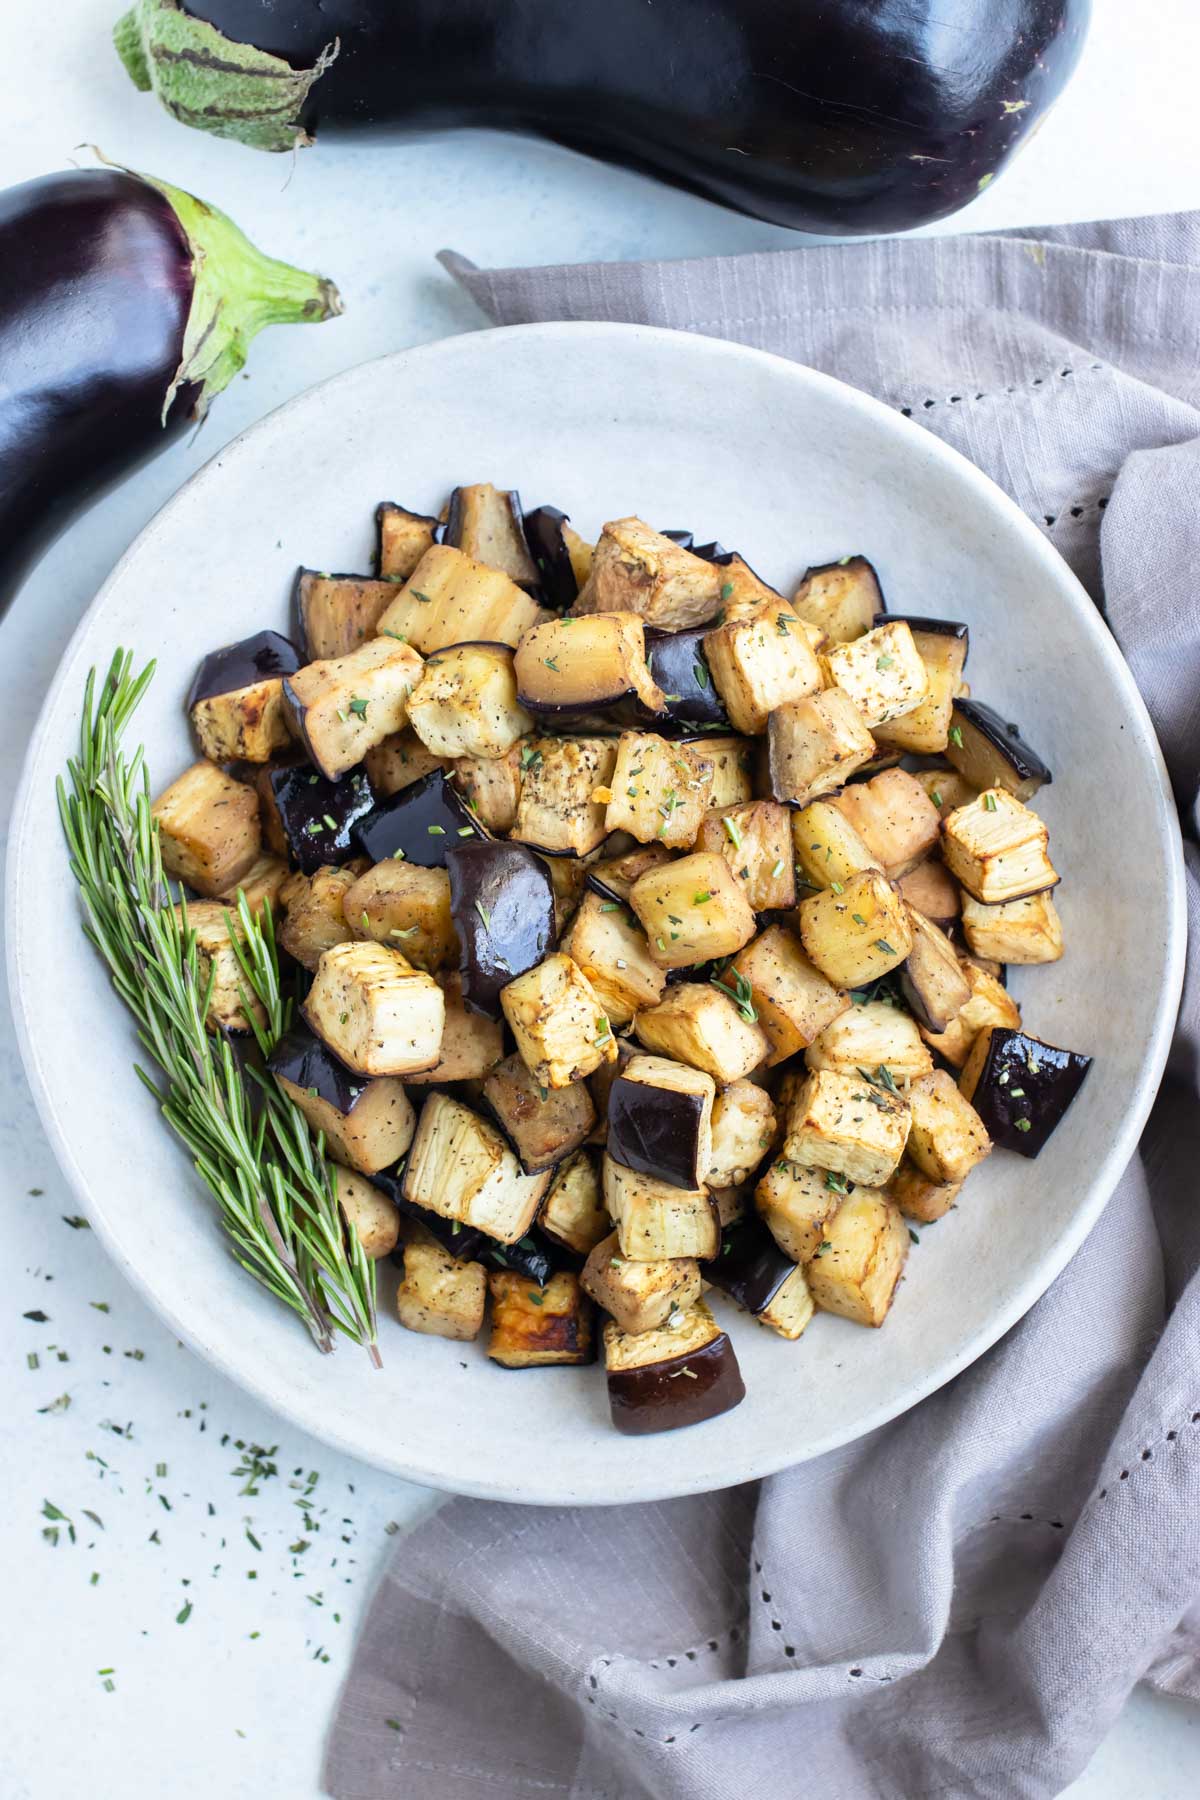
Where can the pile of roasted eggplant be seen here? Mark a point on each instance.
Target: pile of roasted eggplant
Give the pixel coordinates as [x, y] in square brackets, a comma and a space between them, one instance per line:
[653, 929]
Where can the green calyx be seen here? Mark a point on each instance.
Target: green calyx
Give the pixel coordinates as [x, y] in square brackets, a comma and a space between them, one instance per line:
[236, 291]
[207, 80]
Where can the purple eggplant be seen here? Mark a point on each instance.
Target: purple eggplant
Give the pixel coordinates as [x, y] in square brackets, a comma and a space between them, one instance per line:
[1021, 1087]
[316, 816]
[502, 904]
[678, 664]
[548, 546]
[420, 823]
[126, 305]
[851, 116]
[237, 666]
[990, 751]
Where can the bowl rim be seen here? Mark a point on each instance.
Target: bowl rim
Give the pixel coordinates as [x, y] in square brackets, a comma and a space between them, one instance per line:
[28, 815]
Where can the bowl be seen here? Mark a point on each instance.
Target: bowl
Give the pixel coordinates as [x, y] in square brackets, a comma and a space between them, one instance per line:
[793, 468]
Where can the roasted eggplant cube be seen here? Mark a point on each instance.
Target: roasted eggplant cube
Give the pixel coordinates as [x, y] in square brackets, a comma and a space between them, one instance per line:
[555, 549]
[450, 598]
[882, 672]
[578, 668]
[218, 971]
[399, 761]
[871, 1036]
[679, 668]
[861, 1258]
[989, 753]
[947, 789]
[743, 593]
[997, 848]
[556, 812]
[988, 1003]
[562, 1032]
[461, 1168]
[858, 935]
[895, 818]
[371, 1215]
[942, 647]
[636, 569]
[315, 914]
[756, 841]
[612, 877]
[235, 702]
[341, 708]
[679, 1375]
[486, 522]
[377, 1013]
[692, 910]
[919, 1196]
[1020, 931]
[814, 744]
[337, 613]
[316, 817]
[659, 790]
[848, 1125]
[756, 1274]
[931, 890]
[660, 1120]
[491, 787]
[932, 980]
[465, 703]
[573, 1213]
[536, 1326]
[439, 1295]
[657, 1222]
[792, 999]
[407, 908]
[472, 1044]
[208, 829]
[368, 1125]
[1021, 1087]
[543, 1125]
[404, 537]
[759, 663]
[743, 1130]
[732, 760]
[700, 1024]
[794, 1203]
[610, 947]
[640, 1296]
[262, 885]
[417, 825]
[827, 846]
[840, 598]
[502, 902]
[947, 1137]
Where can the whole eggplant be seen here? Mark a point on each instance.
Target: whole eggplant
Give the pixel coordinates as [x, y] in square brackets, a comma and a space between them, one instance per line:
[835, 116]
[125, 305]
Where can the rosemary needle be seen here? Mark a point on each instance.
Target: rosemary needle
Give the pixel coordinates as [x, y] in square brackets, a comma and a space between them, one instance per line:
[276, 1193]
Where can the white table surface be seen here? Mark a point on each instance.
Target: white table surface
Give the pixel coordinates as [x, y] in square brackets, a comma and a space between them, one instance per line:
[234, 1700]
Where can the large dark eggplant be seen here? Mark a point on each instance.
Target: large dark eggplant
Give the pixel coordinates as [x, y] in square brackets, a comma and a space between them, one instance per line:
[125, 306]
[850, 116]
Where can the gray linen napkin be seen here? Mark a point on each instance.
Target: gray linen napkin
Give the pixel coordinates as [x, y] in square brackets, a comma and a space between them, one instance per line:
[959, 1603]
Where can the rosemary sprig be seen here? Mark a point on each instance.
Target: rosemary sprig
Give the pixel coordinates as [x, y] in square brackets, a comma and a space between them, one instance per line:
[276, 1193]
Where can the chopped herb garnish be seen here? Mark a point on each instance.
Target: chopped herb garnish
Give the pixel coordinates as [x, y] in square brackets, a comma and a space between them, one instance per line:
[936, 796]
[777, 871]
[423, 598]
[782, 625]
[359, 707]
[484, 914]
[732, 832]
[912, 1234]
[858, 918]
[701, 674]
[466, 831]
[727, 590]
[836, 887]
[701, 899]
[989, 803]
[882, 944]
[550, 663]
[331, 822]
[742, 995]
[184, 1613]
[955, 735]
[1023, 1125]
[536, 1298]
[530, 758]
[611, 906]
[834, 1182]
[884, 662]
[436, 830]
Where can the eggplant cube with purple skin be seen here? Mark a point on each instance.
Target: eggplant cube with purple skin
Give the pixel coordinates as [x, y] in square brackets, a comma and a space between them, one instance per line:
[895, 818]
[309, 819]
[343, 707]
[439, 1295]
[681, 1374]
[236, 703]
[450, 598]
[814, 744]
[636, 569]
[848, 1125]
[756, 841]
[640, 1296]
[761, 662]
[932, 980]
[536, 1326]
[692, 910]
[860, 1258]
[372, 1215]
[573, 1213]
[1016, 931]
[871, 1036]
[659, 790]
[988, 1003]
[404, 537]
[660, 1120]
[556, 811]
[337, 613]
[743, 1129]
[465, 702]
[472, 1044]
[841, 599]
[657, 1222]
[698, 1023]
[925, 731]
[611, 948]
[377, 1013]
[881, 671]
[997, 848]
[947, 1137]
[990, 753]
[562, 1032]
[827, 845]
[792, 999]
[858, 934]
[485, 521]
[1021, 1087]
[543, 1125]
[316, 918]
[576, 667]
[490, 786]
[460, 1168]
[732, 782]
[502, 902]
[368, 1124]
[919, 1196]
[208, 829]
[757, 1275]
[406, 907]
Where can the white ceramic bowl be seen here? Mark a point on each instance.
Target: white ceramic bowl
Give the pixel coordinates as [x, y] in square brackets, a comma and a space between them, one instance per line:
[792, 468]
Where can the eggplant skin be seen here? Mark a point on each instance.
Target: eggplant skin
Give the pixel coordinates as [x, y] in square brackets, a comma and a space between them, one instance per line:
[95, 289]
[852, 116]
[660, 1397]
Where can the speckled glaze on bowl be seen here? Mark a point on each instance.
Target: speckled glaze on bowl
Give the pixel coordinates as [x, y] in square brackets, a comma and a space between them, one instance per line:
[792, 468]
